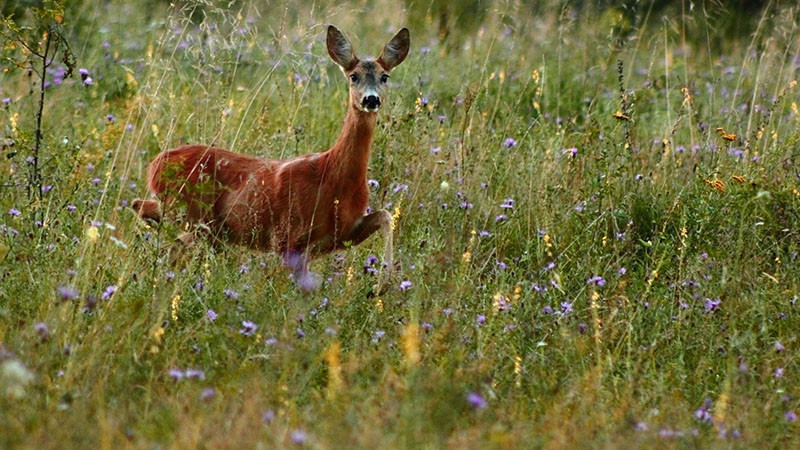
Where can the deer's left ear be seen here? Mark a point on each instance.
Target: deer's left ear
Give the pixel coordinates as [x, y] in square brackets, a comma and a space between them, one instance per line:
[395, 51]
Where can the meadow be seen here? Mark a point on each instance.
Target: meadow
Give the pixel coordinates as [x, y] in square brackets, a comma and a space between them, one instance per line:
[596, 221]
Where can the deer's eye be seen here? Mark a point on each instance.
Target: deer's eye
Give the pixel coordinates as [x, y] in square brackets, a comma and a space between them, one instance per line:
[384, 78]
[354, 78]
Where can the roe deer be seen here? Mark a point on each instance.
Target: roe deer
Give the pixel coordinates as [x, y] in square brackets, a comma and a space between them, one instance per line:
[301, 207]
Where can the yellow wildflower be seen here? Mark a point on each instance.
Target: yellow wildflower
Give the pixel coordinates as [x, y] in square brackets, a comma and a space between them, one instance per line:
[175, 301]
[334, 368]
[411, 344]
[92, 233]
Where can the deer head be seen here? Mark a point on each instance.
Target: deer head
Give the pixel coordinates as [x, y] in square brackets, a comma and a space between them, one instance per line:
[367, 77]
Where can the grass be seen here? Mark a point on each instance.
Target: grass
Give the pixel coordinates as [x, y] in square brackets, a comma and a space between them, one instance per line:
[640, 290]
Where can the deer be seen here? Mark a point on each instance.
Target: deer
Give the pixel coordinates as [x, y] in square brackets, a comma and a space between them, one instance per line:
[302, 207]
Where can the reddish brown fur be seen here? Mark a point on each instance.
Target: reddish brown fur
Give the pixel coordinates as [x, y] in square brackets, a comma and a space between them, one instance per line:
[308, 205]
[268, 204]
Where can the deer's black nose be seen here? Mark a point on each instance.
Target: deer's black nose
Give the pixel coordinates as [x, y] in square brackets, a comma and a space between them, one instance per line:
[371, 102]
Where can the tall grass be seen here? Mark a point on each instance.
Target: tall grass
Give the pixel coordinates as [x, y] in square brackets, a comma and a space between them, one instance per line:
[591, 262]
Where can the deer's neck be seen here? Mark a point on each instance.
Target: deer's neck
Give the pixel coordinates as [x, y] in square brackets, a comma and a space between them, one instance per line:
[349, 156]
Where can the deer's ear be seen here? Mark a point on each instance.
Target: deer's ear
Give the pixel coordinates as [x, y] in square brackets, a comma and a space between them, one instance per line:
[396, 50]
[340, 49]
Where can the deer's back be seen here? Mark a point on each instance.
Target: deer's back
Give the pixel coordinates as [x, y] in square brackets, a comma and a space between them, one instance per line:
[190, 168]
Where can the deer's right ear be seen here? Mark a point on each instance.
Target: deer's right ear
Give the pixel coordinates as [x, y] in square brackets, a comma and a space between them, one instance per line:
[340, 49]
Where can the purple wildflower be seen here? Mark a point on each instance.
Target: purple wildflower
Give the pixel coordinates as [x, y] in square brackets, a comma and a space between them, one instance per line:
[379, 334]
[248, 328]
[176, 374]
[110, 290]
[42, 330]
[476, 400]
[480, 319]
[790, 416]
[67, 292]
[300, 333]
[597, 280]
[743, 367]
[195, 374]
[400, 188]
[208, 394]
[405, 285]
[211, 315]
[702, 413]
[14, 212]
[268, 416]
[712, 304]
[666, 432]
[509, 142]
[299, 437]
[370, 261]
[230, 293]
[779, 347]
[373, 183]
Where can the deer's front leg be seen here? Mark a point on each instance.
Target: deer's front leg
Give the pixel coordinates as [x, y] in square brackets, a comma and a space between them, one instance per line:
[364, 227]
